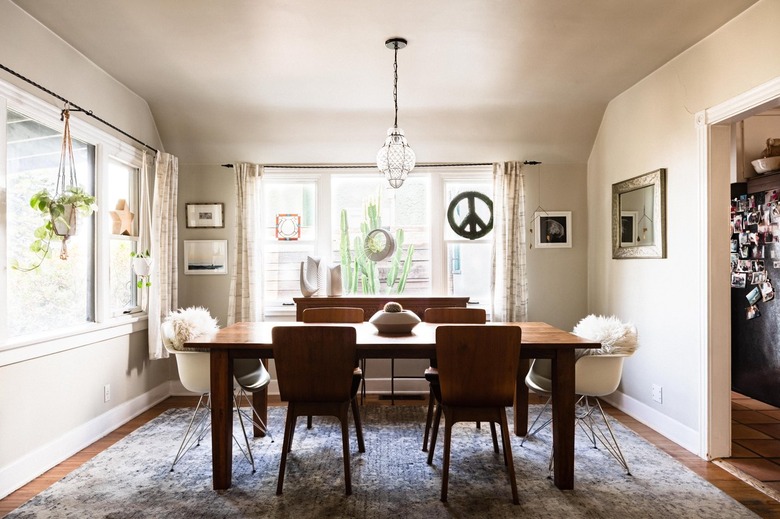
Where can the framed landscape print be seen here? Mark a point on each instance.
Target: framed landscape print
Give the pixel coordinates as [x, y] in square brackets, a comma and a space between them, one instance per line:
[552, 229]
[208, 215]
[205, 257]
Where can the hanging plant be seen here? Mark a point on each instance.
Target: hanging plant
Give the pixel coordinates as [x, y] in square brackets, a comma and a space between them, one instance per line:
[142, 266]
[61, 208]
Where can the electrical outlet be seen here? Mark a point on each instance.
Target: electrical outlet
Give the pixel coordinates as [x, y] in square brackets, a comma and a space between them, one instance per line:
[106, 392]
[658, 393]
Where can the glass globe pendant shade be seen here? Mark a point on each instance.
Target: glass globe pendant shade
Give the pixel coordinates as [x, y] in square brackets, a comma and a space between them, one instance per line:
[395, 159]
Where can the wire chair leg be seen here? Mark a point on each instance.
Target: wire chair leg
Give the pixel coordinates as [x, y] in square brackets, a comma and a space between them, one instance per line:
[614, 448]
[192, 436]
[531, 430]
[254, 417]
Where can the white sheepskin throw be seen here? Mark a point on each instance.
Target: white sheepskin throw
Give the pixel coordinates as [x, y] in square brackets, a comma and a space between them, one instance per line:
[186, 324]
[615, 336]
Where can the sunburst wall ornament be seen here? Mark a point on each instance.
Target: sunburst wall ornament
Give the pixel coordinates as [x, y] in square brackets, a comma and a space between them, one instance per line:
[395, 159]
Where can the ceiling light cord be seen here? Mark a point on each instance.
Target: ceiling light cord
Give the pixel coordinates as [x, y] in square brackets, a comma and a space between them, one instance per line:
[395, 86]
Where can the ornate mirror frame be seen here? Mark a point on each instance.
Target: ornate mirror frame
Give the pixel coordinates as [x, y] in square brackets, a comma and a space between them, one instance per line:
[656, 179]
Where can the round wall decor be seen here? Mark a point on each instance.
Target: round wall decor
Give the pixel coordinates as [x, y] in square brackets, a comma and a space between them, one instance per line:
[471, 226]
[379, 244]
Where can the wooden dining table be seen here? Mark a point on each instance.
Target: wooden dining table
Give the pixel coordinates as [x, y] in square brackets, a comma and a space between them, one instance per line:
[253, 340]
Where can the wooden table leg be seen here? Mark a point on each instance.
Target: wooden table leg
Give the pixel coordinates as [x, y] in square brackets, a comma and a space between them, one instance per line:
[221, 418]
[260, 404]
[521, 399]
[563, 418]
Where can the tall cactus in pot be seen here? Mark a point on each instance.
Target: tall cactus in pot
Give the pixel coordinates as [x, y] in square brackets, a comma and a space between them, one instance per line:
[357, 267]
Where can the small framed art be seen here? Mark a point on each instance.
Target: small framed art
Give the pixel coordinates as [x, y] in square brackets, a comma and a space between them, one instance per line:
[208, 215]
[552, 229]
[205, 257]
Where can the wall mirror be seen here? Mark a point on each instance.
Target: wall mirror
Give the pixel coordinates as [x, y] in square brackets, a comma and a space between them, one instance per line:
[639, 216]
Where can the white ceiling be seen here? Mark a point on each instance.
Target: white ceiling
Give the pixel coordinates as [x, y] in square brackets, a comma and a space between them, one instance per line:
[310, 81]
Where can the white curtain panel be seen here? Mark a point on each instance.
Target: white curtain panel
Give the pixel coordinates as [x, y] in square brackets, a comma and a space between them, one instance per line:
[509, 283]
[164, 292]
[245, 301]
[144, 208]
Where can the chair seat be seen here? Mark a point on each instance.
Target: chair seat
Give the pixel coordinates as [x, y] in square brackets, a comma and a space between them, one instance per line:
[251, 374]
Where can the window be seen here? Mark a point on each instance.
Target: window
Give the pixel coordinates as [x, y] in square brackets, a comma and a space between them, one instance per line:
[289, 235]
[442, 263]
[405, 209]
[57, 293]
[55, 298]
[123, 241]
[468, 261]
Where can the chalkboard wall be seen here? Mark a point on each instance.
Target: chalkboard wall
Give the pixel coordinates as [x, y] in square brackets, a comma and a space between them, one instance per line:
[755, 311]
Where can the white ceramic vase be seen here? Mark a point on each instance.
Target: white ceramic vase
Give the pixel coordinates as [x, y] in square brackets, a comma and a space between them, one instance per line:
[310, 276]
[334, 285]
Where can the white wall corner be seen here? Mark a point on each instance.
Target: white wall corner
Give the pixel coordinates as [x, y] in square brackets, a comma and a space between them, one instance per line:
[679, 433]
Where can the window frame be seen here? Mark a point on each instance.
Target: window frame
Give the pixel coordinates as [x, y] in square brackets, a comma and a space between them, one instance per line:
[438, 177]
[105, 325]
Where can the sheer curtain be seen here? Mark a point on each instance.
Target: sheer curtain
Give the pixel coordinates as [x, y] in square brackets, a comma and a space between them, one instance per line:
[509, 283]
[164, 292]
[245, 300]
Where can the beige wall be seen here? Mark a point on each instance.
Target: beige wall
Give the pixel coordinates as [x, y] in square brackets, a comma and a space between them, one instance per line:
[652, 126]
[60, 395]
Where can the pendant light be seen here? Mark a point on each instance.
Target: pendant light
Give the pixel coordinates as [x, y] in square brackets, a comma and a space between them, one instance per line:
[395, 159]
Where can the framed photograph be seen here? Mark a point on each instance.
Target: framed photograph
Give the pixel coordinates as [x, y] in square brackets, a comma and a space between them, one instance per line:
[552, 229]
[209, 216]
[628, 221]
[205, 257]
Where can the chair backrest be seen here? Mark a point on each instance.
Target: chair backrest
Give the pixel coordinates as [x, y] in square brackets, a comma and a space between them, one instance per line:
[327, 314]
[194, 366]
[314, 363]
[478, 364]
[598, 375]
[455, 315]
[594, 375]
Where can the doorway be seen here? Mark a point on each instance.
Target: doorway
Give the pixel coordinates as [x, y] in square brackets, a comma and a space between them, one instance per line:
[717, 137]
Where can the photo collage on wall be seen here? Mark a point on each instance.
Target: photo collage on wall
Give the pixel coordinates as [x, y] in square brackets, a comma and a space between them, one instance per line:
[755, 228]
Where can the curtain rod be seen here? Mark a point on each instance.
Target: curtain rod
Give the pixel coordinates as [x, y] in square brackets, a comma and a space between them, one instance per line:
[77, 107]
[372, 166]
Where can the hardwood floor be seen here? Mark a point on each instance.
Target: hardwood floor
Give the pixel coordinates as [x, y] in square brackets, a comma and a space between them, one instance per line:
[751, 498]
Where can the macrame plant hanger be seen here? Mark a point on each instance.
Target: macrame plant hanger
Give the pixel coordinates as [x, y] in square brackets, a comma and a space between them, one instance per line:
[65, 225]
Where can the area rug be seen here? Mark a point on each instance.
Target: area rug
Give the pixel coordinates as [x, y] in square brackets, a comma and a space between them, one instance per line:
[132, 478]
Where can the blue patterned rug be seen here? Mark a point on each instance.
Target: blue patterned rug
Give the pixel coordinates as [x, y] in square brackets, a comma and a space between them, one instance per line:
[131, 479]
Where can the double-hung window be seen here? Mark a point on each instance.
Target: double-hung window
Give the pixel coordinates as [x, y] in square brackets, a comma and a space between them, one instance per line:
[51, 298]
[304, 215]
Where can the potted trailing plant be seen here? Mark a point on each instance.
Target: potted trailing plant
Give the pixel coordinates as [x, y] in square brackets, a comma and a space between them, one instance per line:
[60, 208]
[142, 266]
[59, 213]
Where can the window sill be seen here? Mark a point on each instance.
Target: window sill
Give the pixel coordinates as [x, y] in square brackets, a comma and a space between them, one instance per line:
[16, 351]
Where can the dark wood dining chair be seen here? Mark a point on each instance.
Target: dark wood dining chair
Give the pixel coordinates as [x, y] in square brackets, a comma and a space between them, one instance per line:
[341, 315]
[477, 374]
[451, 315]
[314, 366]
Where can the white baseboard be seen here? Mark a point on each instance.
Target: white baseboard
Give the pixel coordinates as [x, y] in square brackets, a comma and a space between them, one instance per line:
[680, 434]
[29, 467]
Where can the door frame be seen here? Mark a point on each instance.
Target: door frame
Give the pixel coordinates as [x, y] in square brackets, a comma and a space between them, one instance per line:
[715, 128]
